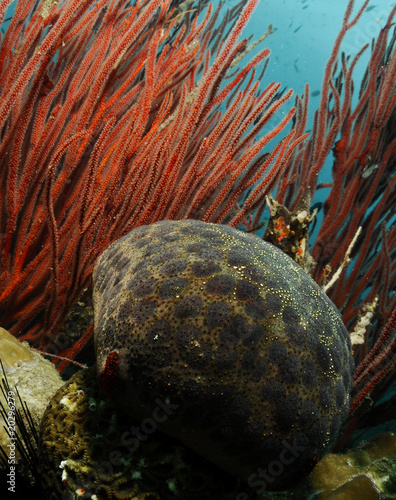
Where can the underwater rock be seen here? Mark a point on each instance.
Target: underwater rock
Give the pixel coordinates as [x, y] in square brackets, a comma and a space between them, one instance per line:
[90, 450]
[234, 336]
[368, 472]
[24, 368]
[14, 353]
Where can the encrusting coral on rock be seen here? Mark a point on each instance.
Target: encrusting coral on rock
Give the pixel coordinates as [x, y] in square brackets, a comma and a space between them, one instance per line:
[367, 473]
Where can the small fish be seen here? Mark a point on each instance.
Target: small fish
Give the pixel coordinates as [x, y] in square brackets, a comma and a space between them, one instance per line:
[295, 31]
[296, 67]
[370, 8]
[369, 170]
[315, 93]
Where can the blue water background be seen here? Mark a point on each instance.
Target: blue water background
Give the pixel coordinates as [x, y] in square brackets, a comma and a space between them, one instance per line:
[305, 32]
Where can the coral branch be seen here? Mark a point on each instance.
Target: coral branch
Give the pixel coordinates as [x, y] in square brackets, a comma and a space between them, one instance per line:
[114, 115]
